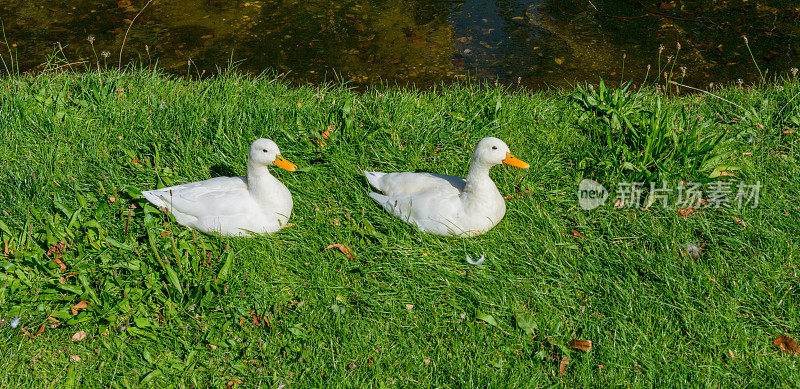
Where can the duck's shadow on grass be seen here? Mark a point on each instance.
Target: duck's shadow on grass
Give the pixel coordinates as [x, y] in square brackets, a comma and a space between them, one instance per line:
[222, 171]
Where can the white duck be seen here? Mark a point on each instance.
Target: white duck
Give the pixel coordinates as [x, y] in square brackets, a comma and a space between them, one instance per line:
[233, 206]
[447, 205]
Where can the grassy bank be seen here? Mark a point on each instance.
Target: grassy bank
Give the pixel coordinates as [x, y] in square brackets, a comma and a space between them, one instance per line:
[165, 305]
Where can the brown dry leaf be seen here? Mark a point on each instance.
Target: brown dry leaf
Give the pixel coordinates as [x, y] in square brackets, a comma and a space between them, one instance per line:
[61, 265]
[327, 133]
[344, 249]
[577, 234]
[740, 221]
[427, 361]
[6, 250]
[685, 212]
[77, 307]
[54, 323]
[74, 358]
[256, 320]
[787, 344]
[583, 345]
[41, 329]
[759, 125]
[136, 161]
[231, 383]
[789, 131]
[731, 354]
[211, 346]
[123, 3]
[79, 336]
[562, 366]
[112, 199]
[409, 306]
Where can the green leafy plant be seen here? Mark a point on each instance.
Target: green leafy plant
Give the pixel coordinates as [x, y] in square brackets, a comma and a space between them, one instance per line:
[641, 143]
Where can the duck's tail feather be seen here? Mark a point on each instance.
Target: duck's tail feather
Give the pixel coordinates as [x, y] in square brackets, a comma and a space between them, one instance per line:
[374, 179]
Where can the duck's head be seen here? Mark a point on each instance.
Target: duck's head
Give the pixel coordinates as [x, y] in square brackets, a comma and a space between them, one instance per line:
[492, 151]
[265, 152]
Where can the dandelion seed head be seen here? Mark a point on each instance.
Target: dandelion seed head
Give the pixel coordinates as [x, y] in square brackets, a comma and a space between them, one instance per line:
[105, 54]
[90, 38]
[660, 48]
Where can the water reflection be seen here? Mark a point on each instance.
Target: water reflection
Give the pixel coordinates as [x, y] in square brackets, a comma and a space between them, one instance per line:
[536, 42]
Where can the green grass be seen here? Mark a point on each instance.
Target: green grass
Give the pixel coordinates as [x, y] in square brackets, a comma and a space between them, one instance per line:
[173, 307]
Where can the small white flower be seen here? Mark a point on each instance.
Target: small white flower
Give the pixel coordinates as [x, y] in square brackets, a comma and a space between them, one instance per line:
[15, 322]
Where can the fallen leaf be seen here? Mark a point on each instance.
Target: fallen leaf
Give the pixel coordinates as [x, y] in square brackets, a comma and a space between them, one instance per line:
[562, 366]
[489, 319]
[409, 306]
[112, 199]
[577, 234]
[231, 383]
[211, 346]
[427, 361]
[41, 329]
[54, 323]
[787, 344]
[60, 263]
[123, 3]
[759, 125]
[74, 358]
[256, 320]
[526, 323]
[583, 345]
[79, 306]
[344, 249]
[685, 212]
[79, 336]
[740, 221]
[731, 354]
[789, 131]
[136, 161]
[327, 133]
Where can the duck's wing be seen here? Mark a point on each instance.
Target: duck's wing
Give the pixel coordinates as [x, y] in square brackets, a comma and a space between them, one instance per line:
[408, 183]
[217, 196]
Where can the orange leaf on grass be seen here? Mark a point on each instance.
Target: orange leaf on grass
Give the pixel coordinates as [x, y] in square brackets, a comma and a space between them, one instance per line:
[343, 248]
[79, 306]
[740, 221]
[582, 345]
[562, 366]
[79, 336]
[787, 344]
[41, 329]
[685, 212]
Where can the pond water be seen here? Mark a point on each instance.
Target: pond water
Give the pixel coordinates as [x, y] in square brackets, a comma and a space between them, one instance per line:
[536, 43]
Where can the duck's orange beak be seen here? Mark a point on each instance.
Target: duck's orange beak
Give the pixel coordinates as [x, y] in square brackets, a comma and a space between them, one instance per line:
[513, 161]
[284, 164]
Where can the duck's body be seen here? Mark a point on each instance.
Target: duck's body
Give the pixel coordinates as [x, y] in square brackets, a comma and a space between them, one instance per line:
[448, 205]
[233, 206]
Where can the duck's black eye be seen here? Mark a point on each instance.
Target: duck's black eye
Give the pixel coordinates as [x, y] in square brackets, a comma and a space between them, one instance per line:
[264, 150]
[494, 147]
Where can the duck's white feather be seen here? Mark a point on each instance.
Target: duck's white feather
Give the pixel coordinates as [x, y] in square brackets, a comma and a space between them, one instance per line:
[230, 206]
[441, 204]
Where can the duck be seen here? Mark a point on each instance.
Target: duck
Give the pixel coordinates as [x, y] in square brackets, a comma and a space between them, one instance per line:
[447, 205]
[247, 206]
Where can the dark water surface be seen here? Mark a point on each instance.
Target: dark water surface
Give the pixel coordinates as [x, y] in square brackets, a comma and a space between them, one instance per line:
[535, 42]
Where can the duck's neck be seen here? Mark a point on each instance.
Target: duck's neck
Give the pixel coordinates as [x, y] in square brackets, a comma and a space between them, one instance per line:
[479, 185]
[259, 181]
